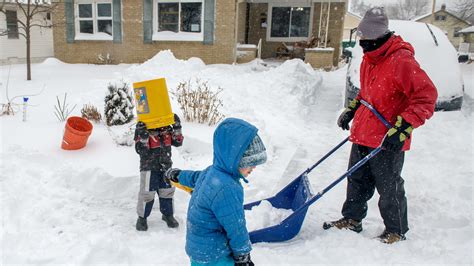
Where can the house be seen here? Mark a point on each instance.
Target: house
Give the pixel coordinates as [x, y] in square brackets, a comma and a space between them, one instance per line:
[13, 44]
[448, 22]
[133, 31]
[351, 21]
[467, 44]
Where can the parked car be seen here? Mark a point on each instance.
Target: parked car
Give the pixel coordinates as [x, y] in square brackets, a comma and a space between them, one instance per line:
[435, 54]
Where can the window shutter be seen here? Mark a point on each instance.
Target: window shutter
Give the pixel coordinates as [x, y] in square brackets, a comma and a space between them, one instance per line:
[209, 15]
[147, 21]
[69, 10]
[117, 20]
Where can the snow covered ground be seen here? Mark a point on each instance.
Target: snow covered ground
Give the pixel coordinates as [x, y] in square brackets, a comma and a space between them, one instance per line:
[78, 207]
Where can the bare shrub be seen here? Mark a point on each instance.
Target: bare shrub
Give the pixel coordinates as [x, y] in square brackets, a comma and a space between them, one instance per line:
[91, 113]
[62, 111]
[199, 102]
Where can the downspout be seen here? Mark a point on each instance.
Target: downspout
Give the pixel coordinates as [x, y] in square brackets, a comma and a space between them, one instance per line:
[236, 28]
[320, 21]
[327, 25]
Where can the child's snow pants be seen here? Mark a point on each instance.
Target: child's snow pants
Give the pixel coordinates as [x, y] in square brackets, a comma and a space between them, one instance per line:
[152, 182]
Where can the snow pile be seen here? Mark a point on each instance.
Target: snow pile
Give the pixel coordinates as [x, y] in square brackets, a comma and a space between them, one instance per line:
[79, 207]
[264, 215]
[164, 64]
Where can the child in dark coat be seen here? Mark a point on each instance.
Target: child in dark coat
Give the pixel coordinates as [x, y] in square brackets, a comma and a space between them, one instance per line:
[216, 227]
[154, 148]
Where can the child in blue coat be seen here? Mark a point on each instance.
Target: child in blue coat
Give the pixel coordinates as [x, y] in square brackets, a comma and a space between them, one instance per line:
[216, 229]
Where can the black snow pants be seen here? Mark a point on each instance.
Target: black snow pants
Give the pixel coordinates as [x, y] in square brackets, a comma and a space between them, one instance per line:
[382, 172]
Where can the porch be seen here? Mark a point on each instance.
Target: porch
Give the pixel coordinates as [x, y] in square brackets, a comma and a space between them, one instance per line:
[311, 30]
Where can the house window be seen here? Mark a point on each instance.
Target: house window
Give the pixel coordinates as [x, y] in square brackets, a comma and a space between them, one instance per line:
[94, 20]
[456, 32]
[12, 24]
[178, 20]
[440, 17]
[289, 23]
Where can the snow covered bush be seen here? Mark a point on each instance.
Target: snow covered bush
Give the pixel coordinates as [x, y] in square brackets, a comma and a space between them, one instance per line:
[199, 102]
[118, 108]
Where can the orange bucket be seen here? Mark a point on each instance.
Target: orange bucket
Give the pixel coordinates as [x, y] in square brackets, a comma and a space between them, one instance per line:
[76, 133]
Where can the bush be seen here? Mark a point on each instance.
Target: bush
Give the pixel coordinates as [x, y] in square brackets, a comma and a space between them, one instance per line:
[118, 108]
[199, 102]
[91, 113]
[62, 111]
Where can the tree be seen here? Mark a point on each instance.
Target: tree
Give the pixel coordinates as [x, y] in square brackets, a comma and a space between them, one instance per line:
[359, 7]
[119, 106]
[408, 9]
[464, 9]
[32, 14]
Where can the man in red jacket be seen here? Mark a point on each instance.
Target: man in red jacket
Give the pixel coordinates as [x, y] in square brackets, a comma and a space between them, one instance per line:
[392, 81]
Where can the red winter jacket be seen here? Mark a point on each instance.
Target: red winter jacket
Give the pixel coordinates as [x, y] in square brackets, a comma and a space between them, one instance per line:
[392, 81]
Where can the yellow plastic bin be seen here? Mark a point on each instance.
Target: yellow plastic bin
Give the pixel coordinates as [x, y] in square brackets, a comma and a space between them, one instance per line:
[153, 103]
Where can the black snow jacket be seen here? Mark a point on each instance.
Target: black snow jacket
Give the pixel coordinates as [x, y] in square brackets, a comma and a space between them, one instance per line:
[155, 154]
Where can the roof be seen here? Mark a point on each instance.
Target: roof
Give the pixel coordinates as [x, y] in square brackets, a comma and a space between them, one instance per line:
[354, 14]
[444, 10]
[467, 30]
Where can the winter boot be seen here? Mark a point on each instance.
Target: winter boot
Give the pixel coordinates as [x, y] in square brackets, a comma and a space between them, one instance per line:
[390, 238]
[141, 224]
[344, 223]
[170, 221]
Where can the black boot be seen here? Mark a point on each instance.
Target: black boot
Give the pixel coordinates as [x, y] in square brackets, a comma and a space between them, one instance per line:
[344, 223]
[170, 221]
[141, 224]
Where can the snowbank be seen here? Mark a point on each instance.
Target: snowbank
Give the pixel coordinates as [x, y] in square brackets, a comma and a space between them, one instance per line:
[78, 207]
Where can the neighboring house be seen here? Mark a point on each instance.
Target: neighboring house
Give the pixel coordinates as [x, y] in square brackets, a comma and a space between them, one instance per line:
[351, 21]
[13, 45]
[467, 44]
[448, 22]
[133, 31]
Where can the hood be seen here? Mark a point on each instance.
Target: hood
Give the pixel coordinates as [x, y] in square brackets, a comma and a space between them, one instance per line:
[393, 44]
[231, 139]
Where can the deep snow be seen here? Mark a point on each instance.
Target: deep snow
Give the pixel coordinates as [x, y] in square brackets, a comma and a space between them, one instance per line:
[78, 207]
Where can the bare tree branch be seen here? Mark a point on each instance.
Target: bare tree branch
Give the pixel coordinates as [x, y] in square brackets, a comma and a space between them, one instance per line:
[29, 11]
[464, 9]
[407, 9]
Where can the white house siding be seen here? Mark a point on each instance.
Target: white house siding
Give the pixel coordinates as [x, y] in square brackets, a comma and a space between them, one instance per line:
[14, 50]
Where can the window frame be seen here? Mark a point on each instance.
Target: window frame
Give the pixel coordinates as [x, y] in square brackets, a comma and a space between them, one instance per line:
[290, 5]
[180, 35]
[456, 33]
[14, 34]
[96, 35]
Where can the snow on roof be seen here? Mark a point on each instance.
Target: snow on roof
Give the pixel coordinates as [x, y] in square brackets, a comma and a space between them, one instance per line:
[467, 30]
[429, 14]
[354, 14]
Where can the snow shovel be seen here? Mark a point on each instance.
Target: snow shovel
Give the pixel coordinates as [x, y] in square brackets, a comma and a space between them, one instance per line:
[297, 196]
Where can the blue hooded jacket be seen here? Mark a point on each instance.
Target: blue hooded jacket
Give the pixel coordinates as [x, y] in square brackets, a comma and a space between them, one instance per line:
[216, 221]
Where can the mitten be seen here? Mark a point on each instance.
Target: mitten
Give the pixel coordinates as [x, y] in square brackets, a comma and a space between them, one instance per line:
[348, 114]
[396, 136]
[172, 175]
[177, 122]
[243, 260]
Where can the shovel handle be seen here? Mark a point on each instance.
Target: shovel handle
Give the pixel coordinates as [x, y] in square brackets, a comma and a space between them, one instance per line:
[353, 168]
